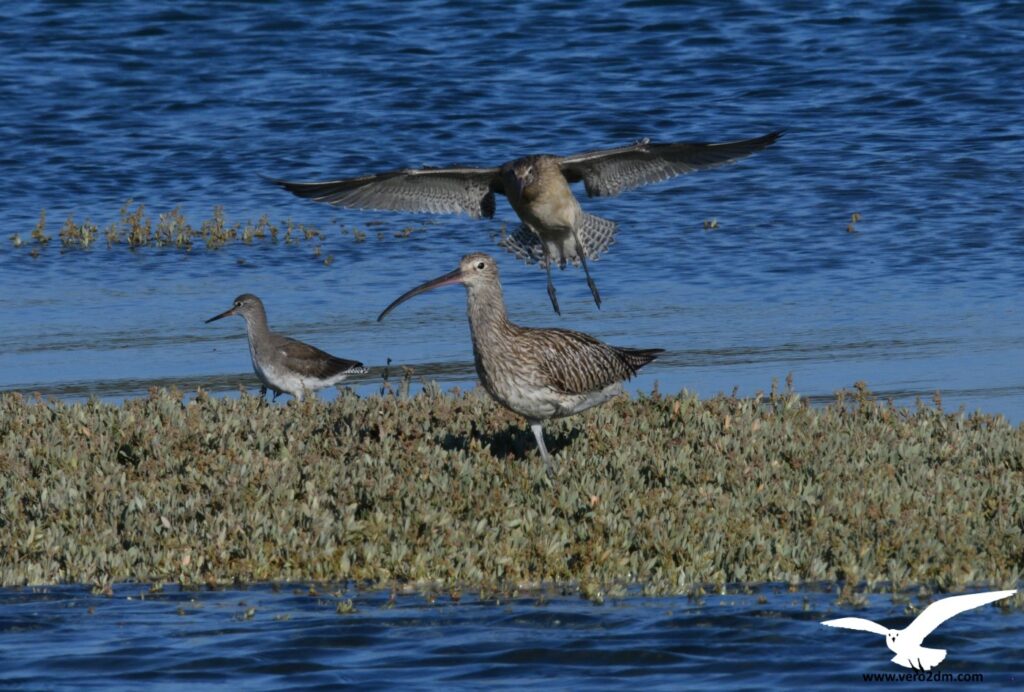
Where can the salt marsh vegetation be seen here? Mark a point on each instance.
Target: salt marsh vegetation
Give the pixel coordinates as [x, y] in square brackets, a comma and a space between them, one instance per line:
[445, 490]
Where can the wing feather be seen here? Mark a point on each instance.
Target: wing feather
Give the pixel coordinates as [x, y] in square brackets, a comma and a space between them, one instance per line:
[310, 359]
[938, 612]
[434, 190]
[857, 624]
[576, 363]
[611, 171]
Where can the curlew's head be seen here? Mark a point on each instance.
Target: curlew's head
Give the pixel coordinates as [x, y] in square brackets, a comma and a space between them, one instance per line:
[247, 305]
[476, 270]
[521, 175]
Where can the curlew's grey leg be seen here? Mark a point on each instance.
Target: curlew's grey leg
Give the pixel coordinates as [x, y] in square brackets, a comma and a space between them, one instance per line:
[551, 285]
[582, 252]
[538, 432]
[263, 392]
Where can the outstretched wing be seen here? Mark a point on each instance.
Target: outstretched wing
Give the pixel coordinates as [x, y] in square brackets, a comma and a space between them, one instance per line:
[433, 190]
[940, 611]
[857, 624]
[611, 171]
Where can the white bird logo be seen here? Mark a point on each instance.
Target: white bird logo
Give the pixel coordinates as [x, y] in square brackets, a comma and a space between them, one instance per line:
[906, 643]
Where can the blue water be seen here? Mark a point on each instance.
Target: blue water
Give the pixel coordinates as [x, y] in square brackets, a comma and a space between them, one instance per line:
[292, 638]
[906, 113]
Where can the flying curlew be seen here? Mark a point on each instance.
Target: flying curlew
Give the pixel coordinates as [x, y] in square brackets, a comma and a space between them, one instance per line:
[554, 226]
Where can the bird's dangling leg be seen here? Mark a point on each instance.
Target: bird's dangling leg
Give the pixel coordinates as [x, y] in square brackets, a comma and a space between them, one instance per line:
[551, 285]
[263, 392]
[582, 252]
[538, 432]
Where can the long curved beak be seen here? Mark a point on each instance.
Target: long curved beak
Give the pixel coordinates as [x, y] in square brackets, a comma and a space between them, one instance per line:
[513, 180]
[226, 313]
[452, 277]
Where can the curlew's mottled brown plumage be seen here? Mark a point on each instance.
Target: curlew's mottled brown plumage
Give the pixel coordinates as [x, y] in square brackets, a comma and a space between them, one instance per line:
[283, 364]
[538, 373]
[555, 228]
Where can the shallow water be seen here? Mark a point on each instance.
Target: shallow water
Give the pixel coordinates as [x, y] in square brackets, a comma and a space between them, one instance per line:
[289, 637]
[906, 114]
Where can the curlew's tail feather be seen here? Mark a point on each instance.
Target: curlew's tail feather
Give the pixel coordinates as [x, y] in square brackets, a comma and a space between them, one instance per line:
[596, 234]
[525, 245]
[636, 358]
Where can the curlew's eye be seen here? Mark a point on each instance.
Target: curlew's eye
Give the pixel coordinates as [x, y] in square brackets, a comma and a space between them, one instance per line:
[480, 265]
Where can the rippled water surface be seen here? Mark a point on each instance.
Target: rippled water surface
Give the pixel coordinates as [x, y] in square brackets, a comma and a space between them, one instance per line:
[908, 114]
[296, 638]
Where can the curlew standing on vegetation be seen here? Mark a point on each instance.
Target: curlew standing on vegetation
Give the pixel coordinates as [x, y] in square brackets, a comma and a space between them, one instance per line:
[555, 228]
[538, 373]
[283, 364]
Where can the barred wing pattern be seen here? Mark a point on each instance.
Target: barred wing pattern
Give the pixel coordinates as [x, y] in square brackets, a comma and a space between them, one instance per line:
[525, 245]
[432, 190]
[576, 363]
[610, 171]
[596, 234]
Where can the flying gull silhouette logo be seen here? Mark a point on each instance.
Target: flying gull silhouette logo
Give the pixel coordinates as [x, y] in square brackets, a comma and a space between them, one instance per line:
[906, 643]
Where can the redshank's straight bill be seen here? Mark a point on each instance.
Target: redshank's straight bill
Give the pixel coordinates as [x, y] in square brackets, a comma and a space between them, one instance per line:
[538, 373]
[554, 228]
